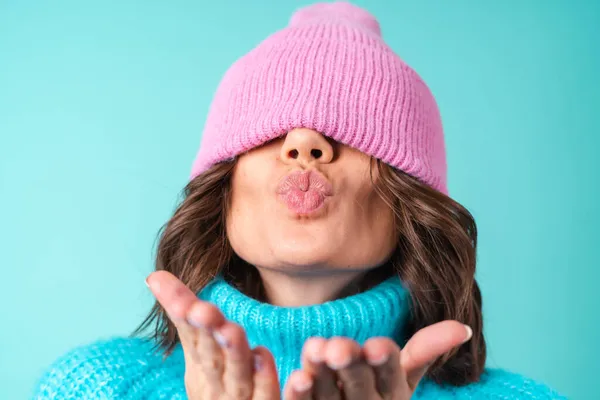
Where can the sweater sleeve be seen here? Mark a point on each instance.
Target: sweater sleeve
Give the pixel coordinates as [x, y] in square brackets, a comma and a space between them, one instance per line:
[119, 368]
[495, 384]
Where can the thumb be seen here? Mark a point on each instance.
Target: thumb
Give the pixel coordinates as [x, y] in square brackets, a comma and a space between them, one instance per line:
[428, 344]
[266, 382]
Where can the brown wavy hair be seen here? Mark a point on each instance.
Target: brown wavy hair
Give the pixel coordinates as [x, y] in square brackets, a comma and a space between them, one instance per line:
[435, 258]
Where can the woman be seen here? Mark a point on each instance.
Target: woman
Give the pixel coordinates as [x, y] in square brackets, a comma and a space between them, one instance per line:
[316, 254]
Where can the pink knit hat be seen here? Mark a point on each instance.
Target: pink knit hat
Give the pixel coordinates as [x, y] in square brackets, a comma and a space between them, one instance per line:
[328, 70]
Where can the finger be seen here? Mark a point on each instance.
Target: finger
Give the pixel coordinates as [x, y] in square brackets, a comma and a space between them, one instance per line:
[195, 320]
[313, 361]
[184, 309]
[266, 382]
[345, 357]
[299, 386]
[428, 344]
[238, 374]
[177, 299]
[172, 294]
[205, 319]
[383, 355]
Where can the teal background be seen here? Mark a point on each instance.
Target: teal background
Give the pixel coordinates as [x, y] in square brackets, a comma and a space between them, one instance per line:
[101, 110]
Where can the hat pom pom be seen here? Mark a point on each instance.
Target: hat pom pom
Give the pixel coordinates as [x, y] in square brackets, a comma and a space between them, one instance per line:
[327, 12]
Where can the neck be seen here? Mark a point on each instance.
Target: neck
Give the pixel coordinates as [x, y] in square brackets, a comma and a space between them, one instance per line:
[296, 289]
[303, 289]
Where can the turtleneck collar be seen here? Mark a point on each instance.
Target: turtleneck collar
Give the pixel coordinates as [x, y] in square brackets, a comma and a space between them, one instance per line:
[380, 311]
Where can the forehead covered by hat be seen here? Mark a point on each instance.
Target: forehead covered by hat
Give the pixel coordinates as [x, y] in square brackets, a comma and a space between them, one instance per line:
[329, 70]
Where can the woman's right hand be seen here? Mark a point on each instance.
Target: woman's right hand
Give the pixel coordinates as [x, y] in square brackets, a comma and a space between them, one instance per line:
[218, 361]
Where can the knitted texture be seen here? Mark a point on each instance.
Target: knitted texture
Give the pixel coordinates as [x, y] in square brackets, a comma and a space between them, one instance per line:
[128, 368]
[331, 71]
[284, 330]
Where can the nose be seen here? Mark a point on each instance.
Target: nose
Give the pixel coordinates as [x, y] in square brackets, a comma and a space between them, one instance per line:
[306, 146]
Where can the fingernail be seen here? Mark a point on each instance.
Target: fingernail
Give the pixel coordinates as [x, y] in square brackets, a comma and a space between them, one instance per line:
[341, 363]
[315, 358]
[155, 288]
[469, 333]
[379, 361]
[222, 340]
[258, 362]
[303, 385]
[195, 324]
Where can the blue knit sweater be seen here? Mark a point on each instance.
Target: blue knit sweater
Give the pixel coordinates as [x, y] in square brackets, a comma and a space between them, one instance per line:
[127, 368]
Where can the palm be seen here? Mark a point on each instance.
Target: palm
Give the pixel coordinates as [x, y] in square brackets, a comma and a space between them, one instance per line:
[339, 368]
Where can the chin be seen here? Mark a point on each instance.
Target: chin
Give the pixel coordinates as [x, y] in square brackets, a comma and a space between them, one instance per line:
[301, 254]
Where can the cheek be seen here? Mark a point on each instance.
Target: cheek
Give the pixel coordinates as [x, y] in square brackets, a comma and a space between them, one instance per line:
[243, 214]
[247, 216]
[371, 227]
[384, 226]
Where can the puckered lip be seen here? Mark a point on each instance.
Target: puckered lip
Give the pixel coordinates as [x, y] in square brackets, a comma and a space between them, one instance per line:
[305, 180]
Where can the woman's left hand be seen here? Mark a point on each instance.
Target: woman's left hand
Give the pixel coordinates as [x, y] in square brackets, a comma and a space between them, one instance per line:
[338, 368]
